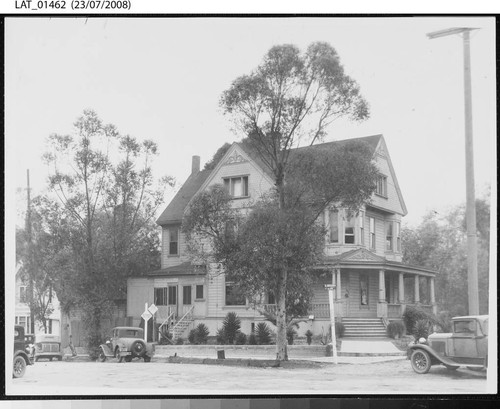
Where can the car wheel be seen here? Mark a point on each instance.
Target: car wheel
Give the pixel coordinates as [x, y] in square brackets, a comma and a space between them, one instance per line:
[118, 355]
[128, 359]
[59, 358]
[138, 348]
[102, 356]
[19, 367]
[147, 359]
[451, 367]
[420, 361]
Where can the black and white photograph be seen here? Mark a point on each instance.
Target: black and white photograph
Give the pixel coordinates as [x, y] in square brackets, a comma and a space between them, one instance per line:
[250, 205]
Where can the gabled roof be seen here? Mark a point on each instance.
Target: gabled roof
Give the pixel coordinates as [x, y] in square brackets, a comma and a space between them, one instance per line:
[175, 209]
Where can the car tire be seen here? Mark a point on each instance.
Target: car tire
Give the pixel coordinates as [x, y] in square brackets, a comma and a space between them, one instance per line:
[138, 348]
[118, 355]
[451, 367]
[102, 356]
[128, 359]
[59, 358]
[420, 361]
[19, 367]
[147, 359]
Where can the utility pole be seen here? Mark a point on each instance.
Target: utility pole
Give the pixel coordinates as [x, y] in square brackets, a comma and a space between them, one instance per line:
[472, 275]
[30, 256]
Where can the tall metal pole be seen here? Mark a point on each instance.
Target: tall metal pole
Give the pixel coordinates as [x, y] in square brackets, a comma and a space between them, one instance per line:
[473, 292]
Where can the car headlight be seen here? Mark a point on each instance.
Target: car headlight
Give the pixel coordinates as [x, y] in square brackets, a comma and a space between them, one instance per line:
[422, 340]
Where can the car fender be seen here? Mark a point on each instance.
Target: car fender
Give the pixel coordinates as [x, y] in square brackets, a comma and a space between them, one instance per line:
[433, 354]
[25, 356]
[106, 350]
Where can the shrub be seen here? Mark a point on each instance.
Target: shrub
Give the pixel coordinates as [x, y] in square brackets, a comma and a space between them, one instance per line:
[192, 336]
[414, 314]
[263, 334]
[252, 339]
[231, 327]
[339, 330]
[220, 337]
[201, 334]
[290, 335]
[396, 329]
[445, 322]
[309, 335]
[241, 338]
[421, 329]
[179, 341]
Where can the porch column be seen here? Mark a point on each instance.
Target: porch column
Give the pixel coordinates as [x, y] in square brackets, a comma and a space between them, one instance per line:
[382, 303]
[339, 289]
[381, 286]
[402, 293]
[417, 289]
[432, 295]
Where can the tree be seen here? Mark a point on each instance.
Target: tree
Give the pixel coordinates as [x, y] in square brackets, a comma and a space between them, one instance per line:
[440, 243]
[291, 98]
[108, 197]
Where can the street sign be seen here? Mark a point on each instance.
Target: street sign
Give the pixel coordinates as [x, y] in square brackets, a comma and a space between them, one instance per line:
[153, 309]
[146, 315]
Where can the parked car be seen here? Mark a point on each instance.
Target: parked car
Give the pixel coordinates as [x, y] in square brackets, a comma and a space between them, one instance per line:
[467, 346]
[48, 346]
[29, 342]
[21, 358]
[126, 343]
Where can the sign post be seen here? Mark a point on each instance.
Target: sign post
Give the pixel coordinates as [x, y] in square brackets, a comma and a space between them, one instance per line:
[331, 289]
[146, 315]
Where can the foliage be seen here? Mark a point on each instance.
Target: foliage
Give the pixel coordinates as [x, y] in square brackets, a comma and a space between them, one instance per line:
[199, 335]
[440, 243]
[241, 339]
[395, 329]
[252, 339]
[339, 330]
[220, 337]
[99, 214]
[421, 329]
[212, 163]
[230, 328]
[263, 334]
[179, 341]
[309, 336]
[445, 321]
[290, 335]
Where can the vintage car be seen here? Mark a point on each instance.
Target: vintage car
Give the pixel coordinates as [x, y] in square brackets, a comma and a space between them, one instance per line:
[467, 346]
[21, 358]
[126, 343]
[48, 346]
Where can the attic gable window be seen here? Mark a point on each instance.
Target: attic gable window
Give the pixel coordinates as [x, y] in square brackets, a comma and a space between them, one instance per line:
[237, 186]
[381, 188]
[173, 242]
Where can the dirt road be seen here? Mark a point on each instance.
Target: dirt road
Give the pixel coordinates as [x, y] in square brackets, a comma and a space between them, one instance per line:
[155, 378]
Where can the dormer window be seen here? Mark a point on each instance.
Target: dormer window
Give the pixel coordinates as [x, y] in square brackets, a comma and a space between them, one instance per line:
[173, 241]
[237, 186]
[381, 188]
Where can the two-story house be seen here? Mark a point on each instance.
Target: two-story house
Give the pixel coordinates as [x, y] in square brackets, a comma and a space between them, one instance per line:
[363, 256]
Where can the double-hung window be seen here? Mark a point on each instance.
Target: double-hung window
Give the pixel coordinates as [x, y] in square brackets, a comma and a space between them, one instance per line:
[388, 236]
[349, 231]
[186, 295]
[372, 233]
[161, 296]
[333, 220]
[22, 294]
[362, 228]
[173, 241]
[398, 236]
[233, 296]
[199, 291]
[381, 188]
[237, 186]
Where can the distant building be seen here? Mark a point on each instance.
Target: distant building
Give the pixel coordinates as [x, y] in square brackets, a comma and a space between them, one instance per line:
[363, 256]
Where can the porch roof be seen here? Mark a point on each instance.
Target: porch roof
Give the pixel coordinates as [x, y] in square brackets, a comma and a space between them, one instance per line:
[180, 270]
[364, 259]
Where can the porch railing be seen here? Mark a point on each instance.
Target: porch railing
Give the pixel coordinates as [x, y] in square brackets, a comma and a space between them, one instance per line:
[394, 310]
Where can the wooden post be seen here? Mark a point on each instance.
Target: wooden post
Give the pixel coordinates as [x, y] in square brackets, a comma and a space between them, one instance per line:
[339, 289]
[330, 289]
[401, 288]
[381, 286]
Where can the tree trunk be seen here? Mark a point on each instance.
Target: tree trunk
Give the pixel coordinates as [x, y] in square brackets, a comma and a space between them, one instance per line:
[281, 341]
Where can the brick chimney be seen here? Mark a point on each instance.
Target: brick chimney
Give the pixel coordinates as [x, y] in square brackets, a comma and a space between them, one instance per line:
[195, 164]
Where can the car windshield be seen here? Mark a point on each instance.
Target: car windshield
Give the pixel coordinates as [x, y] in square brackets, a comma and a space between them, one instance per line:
[130, 333]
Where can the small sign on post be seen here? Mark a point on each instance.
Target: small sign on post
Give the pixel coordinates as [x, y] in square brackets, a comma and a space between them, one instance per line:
[146, 315]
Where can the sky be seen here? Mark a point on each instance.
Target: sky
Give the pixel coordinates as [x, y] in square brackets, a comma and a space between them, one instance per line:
[161, 79]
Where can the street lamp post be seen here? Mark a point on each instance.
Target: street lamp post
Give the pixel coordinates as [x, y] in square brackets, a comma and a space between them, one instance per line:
[331, 289]
[469, 169]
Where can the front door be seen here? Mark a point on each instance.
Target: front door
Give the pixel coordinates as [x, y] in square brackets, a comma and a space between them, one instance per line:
[172, 299]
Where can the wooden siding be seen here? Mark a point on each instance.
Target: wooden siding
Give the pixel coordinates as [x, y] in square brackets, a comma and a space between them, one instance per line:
[392, 202]
[168, 260]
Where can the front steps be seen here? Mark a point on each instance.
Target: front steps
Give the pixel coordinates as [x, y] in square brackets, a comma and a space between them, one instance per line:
[364, 328]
